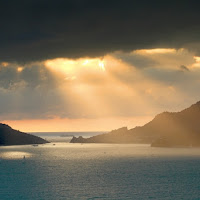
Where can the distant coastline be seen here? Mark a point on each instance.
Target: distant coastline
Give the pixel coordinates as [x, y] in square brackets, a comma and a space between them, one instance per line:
[66, 136]
[168, 129]
[9, 136]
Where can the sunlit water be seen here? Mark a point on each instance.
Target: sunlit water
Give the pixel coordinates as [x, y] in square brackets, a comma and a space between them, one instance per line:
[99, 171]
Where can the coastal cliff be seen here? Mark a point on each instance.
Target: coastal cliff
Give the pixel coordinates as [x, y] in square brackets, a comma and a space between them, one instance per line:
[9, 136]
[168, 129]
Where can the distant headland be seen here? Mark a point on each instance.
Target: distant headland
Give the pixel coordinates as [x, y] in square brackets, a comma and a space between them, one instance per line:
[168, 129]
[9, 136]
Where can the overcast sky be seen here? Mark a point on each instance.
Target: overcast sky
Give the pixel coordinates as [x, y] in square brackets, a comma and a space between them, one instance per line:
[108, 62]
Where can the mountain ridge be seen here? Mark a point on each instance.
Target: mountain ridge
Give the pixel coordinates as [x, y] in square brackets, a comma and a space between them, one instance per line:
[166, 129]
[9, 136]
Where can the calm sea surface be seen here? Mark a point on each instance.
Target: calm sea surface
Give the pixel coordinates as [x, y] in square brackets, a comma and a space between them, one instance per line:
[99, 171]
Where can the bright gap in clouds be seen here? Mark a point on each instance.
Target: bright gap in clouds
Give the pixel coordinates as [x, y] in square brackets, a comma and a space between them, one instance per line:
[69, 66]
[95, 90]
[119, 86]
[155, 51]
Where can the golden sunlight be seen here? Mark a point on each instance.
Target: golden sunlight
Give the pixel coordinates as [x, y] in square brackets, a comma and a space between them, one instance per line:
[98, 89]
[4, 64]
[96, 92]
[101, 65]
[155, 51]
[58, 124]
[197, 59]
[85, 62]
[19, 69]
[197, 62]
[74, 67]
[15, 155]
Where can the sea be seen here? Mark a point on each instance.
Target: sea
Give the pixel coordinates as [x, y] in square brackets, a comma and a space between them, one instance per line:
[65, 136]
[61, 170]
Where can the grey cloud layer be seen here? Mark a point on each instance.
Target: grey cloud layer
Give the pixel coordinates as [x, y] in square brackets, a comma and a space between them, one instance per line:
[30, 93]
[39, 29]
[31, 76]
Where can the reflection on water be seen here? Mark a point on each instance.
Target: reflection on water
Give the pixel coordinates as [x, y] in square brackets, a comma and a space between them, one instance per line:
[13, 155]
[99, 171]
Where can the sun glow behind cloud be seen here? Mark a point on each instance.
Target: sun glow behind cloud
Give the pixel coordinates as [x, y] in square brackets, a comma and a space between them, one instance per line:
[85, 91]
[99, 92]
[110, 86]
[197, 63]
[19, 69]
[155, 51]
[69, 66]
[94, 86]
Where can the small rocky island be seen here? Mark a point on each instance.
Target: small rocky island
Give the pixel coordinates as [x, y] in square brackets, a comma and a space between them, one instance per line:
[168, 129]
[9, 136]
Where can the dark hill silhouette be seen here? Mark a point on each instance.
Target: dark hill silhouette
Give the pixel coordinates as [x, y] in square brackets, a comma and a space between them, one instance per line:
[166, 129]
[9, 136]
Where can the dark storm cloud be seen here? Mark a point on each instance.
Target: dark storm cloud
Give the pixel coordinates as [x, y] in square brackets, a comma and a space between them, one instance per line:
[38, 29]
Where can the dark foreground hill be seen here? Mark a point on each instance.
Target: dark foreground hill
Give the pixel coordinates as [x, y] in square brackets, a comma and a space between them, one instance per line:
[9, 136]
[166, 129]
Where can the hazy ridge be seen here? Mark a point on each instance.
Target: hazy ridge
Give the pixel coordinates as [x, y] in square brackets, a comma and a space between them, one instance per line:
[166, 129]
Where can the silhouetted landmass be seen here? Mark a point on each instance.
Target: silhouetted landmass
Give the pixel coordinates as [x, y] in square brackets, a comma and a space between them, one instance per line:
[9, 136]
[168, 129]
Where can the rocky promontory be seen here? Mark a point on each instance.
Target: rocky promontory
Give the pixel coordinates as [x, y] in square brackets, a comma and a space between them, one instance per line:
[168, 129]
[9, 136]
